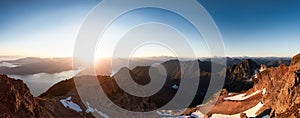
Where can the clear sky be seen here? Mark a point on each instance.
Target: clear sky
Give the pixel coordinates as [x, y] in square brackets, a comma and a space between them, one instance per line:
[48, 28]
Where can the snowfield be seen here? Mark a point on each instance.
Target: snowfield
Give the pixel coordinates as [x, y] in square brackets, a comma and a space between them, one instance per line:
[264, 91]
[89, 109]
[92, 110]
[241, 97]
[175, 87]
[163, 114]
[250, 112]
[197, 114]
[102, 114]
[68, 103]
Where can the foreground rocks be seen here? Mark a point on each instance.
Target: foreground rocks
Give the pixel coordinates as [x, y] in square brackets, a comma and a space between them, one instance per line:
[283, 90]
[16, 101]
[279, 86]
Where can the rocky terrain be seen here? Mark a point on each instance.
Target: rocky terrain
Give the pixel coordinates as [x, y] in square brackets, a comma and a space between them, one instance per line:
[282, 84]
[247, 85]
[17, 102]
[275, 93]
[238, 76]
[49, 103]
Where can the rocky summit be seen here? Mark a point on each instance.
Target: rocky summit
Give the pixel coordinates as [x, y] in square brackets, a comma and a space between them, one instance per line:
[275, 92]
[239, 76]
[283, 89]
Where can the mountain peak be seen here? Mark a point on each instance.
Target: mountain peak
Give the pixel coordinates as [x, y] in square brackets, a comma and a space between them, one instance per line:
[295, 59]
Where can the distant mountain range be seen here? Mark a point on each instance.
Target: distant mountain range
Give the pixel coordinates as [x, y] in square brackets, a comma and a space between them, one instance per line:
[33, 65]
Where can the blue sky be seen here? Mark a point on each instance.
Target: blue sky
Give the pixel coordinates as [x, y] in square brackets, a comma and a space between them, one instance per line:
[249, 27]
[45, 28]
[257, 27]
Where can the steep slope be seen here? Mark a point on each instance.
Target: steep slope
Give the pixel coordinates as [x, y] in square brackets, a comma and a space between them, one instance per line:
[141, 76]
[238, 76]
[53, 97]
[282, 84]
[275, 93]
[175, 69]
[16, 100]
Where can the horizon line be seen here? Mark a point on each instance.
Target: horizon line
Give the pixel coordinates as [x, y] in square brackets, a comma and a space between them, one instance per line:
[16, 56]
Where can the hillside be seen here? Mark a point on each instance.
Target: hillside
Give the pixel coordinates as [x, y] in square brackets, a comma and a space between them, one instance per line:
[275, 93]
[16, 101]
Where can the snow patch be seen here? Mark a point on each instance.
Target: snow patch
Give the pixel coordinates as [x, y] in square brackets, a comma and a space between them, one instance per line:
[266, 116]
[255, 74]
[70, 104]
[102, 114]
[262, 69]
[69, 98]
[230, 94]
[250, 112]
[163, 114]
[241, 97]
[264, 91]
[89, 109]
[225, 116]
[175, 87]
[92, 110]
[197, 114]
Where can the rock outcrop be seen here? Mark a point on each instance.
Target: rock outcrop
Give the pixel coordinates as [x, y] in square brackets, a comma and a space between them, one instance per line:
[238, 76]
[17, 101]
[283, 90]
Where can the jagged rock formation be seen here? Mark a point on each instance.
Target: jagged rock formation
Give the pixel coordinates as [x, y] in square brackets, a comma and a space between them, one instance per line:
[280, 92]
[16, 101]
[238, 76]
[279, 89]
[283, 92]
[243, 115]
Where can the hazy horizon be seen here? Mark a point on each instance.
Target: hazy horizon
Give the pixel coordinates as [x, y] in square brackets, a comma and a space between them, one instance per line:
[18, 57]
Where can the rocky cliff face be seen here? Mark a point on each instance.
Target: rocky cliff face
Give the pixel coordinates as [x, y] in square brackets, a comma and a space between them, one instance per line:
[238, 76]
[16, 100]
[280, 87]
[283, 89]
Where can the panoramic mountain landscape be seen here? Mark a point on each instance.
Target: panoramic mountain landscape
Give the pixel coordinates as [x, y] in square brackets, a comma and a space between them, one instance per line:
[250, 90]
[149, 59]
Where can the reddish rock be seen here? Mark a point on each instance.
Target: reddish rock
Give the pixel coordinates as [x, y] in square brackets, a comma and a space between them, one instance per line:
[243, 115]
[16, 100]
